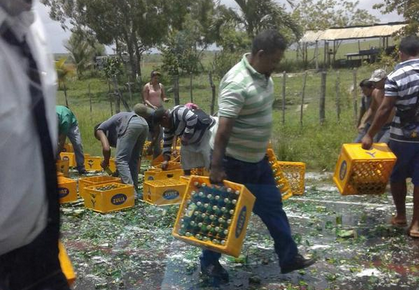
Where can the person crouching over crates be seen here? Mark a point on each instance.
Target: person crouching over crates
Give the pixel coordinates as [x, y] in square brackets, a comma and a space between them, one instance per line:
[127, 132]
[192, 126]
[68, 127]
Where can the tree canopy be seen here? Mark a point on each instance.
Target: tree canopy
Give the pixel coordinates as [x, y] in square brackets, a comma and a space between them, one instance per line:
[409, 9]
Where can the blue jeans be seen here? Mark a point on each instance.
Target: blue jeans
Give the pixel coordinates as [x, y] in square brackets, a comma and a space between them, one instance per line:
[75, 139]
[258, 178]
[128, 149]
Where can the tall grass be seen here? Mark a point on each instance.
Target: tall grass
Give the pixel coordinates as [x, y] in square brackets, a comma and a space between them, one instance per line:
[316, 145]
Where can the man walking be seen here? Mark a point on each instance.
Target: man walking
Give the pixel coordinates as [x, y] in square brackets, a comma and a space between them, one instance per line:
[402, 92]
[239, 146]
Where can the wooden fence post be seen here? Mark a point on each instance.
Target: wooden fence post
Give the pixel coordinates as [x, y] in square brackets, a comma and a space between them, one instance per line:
[284, 84]
[323, 98]
[90, 102]
[176, 89]
[213, 92]
[302, 98]
[338, 95]
[355, 97]
[190, 87]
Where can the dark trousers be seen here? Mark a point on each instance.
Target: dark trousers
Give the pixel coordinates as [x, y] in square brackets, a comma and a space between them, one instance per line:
[258, 178]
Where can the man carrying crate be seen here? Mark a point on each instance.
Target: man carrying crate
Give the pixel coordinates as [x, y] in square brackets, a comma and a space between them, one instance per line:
[402, 92]
[239, 147]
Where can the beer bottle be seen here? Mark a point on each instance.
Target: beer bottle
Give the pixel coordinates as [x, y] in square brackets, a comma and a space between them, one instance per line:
[215, 241]
[198, 237]
[188, 234]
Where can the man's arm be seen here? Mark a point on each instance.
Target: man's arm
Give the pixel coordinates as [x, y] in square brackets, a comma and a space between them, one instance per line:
[379, 120]
[61, 142]
[225, 127]
[106, 148]
[361, 114]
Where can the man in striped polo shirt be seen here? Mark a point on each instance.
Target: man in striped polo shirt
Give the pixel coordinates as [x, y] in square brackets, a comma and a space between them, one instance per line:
[239, 148]
[402, 92]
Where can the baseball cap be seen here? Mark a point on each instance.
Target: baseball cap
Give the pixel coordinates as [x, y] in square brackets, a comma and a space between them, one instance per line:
[143, 111]
[378, 75]
[155, 73]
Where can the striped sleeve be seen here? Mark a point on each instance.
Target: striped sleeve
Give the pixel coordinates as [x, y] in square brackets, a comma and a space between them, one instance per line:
[190, 120]
[391, 89]
[231, 100]
[167, 141]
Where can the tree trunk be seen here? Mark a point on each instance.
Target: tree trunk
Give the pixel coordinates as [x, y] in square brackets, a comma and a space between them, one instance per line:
[323, 98]
[65, 95]
[190, 86]
[116, 95]
[213, 92]
[176, 89]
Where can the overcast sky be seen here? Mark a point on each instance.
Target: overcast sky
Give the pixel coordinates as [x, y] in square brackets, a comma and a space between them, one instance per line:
[58, 35]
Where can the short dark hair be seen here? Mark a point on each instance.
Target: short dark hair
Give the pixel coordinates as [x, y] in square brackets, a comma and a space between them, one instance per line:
[159, 114]
[269, 41]
[155, 73]
[365, 83]
[410, 45]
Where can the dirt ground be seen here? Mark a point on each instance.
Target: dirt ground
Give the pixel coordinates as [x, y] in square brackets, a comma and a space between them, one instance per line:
[350, 237]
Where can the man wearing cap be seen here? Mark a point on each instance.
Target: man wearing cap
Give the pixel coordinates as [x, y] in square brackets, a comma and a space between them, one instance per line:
[155, 132]
[153, 92]
[193, 126]
[402, 92]
[378, 78]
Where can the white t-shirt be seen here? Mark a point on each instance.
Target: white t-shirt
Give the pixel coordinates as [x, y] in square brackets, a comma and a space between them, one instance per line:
[23, 203]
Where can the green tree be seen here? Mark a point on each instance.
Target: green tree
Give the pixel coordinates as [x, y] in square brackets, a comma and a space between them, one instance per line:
[83, 49]
[409, 9]
[256, 15]
[64, 71]
[133, 26]
[323, 14]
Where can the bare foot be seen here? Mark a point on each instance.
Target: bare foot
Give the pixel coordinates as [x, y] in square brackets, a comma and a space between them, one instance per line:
[399, 221]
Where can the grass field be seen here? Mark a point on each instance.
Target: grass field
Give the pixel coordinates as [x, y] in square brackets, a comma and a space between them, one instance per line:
[316, 145]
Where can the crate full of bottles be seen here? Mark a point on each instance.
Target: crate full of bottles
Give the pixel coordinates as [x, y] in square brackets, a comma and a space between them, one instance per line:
[95, 180]
[109, 197]
[214, 216]
[360, 171]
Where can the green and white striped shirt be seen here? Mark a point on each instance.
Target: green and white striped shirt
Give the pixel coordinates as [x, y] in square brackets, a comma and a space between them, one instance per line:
[247, 96]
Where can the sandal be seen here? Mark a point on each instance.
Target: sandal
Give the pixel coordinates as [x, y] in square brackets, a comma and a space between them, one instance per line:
[413, 234]
[398, 223]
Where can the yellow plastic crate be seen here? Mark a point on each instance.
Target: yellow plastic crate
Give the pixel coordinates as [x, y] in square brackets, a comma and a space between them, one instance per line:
[112, 164]
[109, 197]
[294, 172]
[66, 265]
[70, 157]
[95, 180]
[68, 147]
[163, 192]
[67, 189]
[200, 171]
[281, 182]
[271, 155]
[63, 167]
[360, 171]
[158, 174]
[232, 225]
[92, 163]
